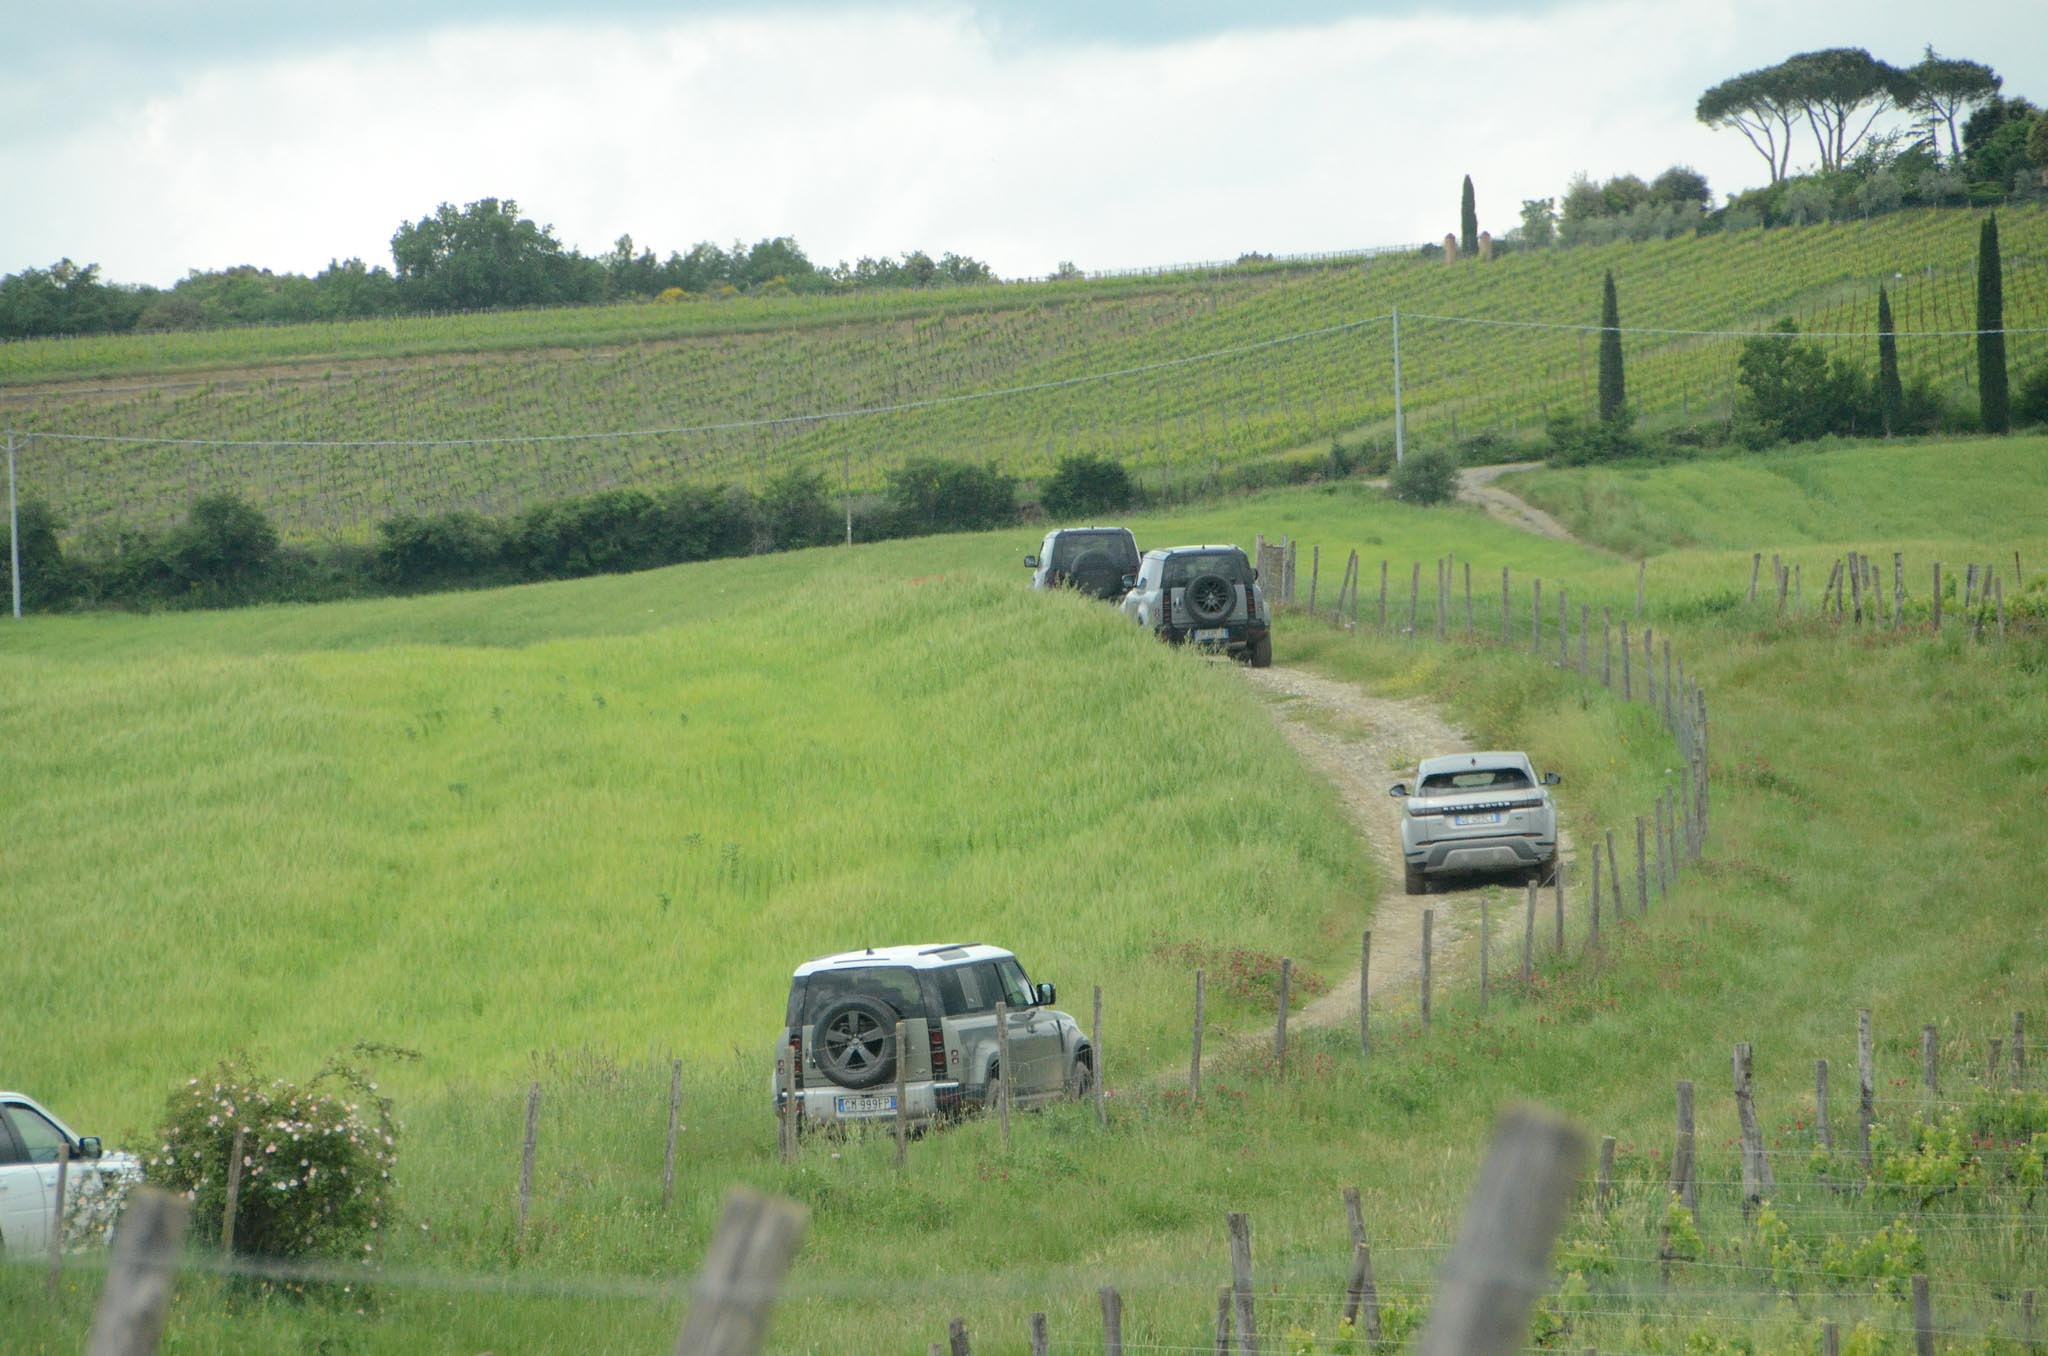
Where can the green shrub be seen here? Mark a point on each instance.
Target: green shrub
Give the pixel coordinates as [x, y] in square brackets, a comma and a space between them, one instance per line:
[439, 550]
[795, 512]
[223, 546]
[48, 581]
[930, 494]
[1791, 392]
[317, 1159]
[2032, 405]
[1425, 477]
[1083, 485]
[1580, 442]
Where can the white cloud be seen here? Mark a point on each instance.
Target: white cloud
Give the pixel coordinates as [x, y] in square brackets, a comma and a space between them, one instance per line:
[880, 131]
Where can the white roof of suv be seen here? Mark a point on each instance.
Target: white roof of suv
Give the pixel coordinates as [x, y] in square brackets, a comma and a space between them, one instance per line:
[916, 957]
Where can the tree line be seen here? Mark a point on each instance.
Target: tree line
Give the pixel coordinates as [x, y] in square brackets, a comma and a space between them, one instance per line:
[483, 256]
[1938, 133]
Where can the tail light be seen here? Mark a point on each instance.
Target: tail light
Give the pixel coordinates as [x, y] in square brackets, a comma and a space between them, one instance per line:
[938, 1047]
[796, 1062]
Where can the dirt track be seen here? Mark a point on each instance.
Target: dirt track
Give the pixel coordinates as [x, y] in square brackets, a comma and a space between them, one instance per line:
[1476, 486]
[1364, 744]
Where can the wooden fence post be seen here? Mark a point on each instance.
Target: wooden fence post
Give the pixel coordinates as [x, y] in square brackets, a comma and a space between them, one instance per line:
[526, 1155]
[1898, 589]
[1365, 994]
[1361, 1295]
[1642, 568]
[233, 1205]
[1100, 1069]
[902, 1095]
[2019, 1049]
[1383, 597]
[1603, 1193]
[1670, 713]
[1607, 647]
[1991, 1062]
[1414, 597]
[144, 1270]
[1649, 670]
[1315, 573]
[1499, 1264]
[2029, 1337]
[956, 1337]
[1866, 1078]
[1614, 874]
[1240, 1226]
[1564, 632]
[1684, 1177]
[1529, 936]
[55, 1285]
[1627, 694]
[1830, 1339]
[1485, 947]
[1557, 893]
[1642, 870]
[1280, 1021]
[1224, 1295]
[1536, 617]
[1593, 900]
[1004, 1069]
[1757, 1179]
[1937, 598]
[675, 1111]
[1585, 625]
[1428, 926]
[1195, 1054]
[1923, 1318]
[1930, 1057]
[1820, 1105]
[1041, 1341]
[1112, 1322]
[1663, 856]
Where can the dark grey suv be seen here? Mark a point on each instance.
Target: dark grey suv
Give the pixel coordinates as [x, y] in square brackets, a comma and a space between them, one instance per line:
[1203, 595]
[839, 1055]
[1095, 560]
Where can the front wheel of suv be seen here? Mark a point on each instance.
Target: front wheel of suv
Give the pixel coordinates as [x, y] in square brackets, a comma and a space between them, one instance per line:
[855, 1044]
[1081, 1082]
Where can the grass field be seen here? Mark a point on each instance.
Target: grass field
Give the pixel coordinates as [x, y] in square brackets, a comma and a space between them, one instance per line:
[451, 824]
[710, 374]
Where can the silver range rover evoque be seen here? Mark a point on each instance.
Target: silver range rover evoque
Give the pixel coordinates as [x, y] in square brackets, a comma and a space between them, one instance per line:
[1470, 813]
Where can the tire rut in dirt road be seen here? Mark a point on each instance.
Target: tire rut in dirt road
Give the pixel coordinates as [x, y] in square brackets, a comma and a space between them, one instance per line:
[1364, 744]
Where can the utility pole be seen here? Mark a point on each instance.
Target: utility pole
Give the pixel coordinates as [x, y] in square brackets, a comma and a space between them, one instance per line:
[1399, 440]
[13, 531]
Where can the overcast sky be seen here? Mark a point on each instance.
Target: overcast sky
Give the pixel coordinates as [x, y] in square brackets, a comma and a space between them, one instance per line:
[155, 137]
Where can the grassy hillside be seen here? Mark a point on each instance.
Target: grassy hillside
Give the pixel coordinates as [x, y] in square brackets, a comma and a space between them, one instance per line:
[717, 376]
[414, 821]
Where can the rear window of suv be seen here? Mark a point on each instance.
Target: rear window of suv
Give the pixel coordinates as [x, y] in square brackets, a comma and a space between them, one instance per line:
[1182, 569]
[1477, 779]
[895, 985]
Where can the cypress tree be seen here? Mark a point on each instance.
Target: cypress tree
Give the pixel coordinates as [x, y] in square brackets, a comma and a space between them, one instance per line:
[1991, 390]
[1890, 397]
[1613, 392]
[1468, 222]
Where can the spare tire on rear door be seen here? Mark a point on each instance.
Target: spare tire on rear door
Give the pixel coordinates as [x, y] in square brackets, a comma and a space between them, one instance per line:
[1210, 597]
[854, 1042]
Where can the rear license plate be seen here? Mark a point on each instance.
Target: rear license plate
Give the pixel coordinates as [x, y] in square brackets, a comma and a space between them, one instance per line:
[1466, 821]
[1213, 633]
[867, 1104]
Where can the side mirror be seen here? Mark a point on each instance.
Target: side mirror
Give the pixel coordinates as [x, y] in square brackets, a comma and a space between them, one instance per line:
[1047, 995]
[1399, 790]
[89, 1146]
[1032, 561]
[1130, 581]
[1551, 779]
